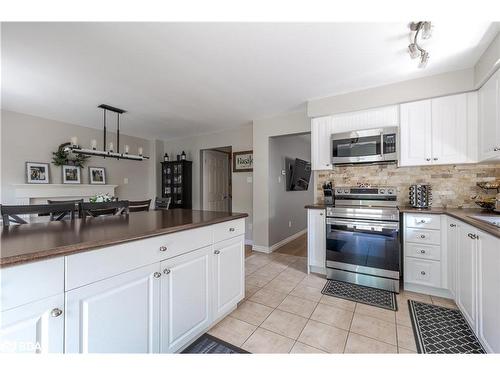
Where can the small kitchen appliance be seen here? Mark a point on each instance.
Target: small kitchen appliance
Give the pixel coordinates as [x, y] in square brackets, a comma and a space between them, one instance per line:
[420, 196]
[328, 194]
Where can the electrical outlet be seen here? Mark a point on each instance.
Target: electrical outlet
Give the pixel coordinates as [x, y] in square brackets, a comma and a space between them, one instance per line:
[249, 180]
[289, 223]
[125, 180]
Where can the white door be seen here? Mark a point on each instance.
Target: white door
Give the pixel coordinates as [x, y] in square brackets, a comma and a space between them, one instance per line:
[466, 273]
[415, 133]
[216, 181]
[321, 132]
[489, 292]
[489, 118]
[185, 298]
[452, 249]
[37, 327]
[229, 275]
[316, 240]
[449, 129]
[115, 315]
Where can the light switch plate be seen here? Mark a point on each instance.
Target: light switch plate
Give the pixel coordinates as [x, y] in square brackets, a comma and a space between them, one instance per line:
[125, 180]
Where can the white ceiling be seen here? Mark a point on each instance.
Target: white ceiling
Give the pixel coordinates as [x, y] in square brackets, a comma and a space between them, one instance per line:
[180, 79]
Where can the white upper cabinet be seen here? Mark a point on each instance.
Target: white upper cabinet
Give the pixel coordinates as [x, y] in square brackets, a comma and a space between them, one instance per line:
[321, 131]
[489, 118]
[436, 131]
[115, 315]
[415, 133]
[449, 129]
[368, 119]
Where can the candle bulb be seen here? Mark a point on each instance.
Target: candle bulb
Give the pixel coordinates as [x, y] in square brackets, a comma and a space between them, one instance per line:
[93, 144]
[111, 147]
[140, 151]
[74, 141]
[126, 149]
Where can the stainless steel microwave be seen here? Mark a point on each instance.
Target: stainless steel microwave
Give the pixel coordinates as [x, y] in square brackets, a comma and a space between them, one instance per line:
[379, 145]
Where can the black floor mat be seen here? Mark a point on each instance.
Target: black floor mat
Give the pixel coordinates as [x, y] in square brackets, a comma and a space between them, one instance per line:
[362, 294]
[442, 330]
[208, 344]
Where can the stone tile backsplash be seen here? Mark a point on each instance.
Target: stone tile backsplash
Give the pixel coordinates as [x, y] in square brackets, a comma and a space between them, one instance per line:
[452, 185]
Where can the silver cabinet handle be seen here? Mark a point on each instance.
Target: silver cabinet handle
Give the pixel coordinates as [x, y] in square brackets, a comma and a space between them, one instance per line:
[166, 271]
[156, 275]
[422, 236]
[422, 221]
[473, 236]
[452, 225]
[56, 312]
[163, 248]
[496, 149]
[217, 252]
[435, 158]
[422, 273]
[422, 251]
[428, 159]
[231, 229]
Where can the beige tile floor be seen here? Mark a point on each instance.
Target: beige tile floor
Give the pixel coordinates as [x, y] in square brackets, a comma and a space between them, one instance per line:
[285, 312]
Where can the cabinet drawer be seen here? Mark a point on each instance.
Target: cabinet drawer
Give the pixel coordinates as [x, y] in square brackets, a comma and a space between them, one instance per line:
[423, 236]
[423, 221]
[31, 282]
[424, 272]
[423, 251]
[88, 267]
[229, 229]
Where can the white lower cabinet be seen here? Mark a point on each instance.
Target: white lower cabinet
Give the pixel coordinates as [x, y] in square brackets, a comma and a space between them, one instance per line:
[229, 275]
[316, 240]
[115, 315]
[489, 292]
[36, 327]
[466, 272]
[185, 298]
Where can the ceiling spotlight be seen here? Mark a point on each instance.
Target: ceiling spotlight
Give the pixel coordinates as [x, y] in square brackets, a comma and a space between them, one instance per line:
[424, 58]
[413, 51]
[424, 29]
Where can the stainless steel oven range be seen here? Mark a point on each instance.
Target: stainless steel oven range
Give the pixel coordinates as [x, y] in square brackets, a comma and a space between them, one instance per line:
[362, 237]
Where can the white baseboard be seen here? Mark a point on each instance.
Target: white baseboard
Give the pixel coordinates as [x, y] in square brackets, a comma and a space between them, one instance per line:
[438, 292]
[270, 249]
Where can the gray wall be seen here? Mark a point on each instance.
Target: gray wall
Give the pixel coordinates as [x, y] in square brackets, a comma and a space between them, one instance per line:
[285, 206]
[263, 129]
[29, 138]
[239, 139]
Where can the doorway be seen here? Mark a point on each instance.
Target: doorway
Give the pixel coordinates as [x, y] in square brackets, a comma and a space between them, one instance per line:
[216, 184]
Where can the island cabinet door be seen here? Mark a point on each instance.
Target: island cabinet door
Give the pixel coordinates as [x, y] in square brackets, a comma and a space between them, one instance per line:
[185, 298]
[36, 327]
[116, 315]
[229, 275]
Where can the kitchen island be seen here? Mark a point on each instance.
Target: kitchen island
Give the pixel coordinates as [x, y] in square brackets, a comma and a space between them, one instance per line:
[145, 282]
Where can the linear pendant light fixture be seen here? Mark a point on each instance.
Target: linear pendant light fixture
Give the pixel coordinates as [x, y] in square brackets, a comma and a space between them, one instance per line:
[423, 29]
[110, 153]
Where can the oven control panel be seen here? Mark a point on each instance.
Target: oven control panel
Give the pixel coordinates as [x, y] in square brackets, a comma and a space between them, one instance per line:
[387, 190]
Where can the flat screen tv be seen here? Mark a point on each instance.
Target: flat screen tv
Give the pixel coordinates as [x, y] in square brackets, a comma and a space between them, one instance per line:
[298, 173]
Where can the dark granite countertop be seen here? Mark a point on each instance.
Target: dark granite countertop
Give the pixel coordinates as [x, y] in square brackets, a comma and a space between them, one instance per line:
[30, 242]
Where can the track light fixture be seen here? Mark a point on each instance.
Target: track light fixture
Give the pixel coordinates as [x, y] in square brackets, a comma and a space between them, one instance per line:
[423, 29]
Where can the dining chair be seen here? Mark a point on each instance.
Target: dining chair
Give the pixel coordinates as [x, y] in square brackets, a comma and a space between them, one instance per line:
[135, 206]
[76, 202]
[103, 208]
[57, 212]
[162, 203]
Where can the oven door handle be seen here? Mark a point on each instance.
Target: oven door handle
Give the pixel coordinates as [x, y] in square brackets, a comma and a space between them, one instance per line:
[365, 225]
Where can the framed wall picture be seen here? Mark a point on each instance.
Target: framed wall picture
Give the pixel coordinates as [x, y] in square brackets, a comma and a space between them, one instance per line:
[37, 173]
[243, 161]
[71, 174]
[97, 175]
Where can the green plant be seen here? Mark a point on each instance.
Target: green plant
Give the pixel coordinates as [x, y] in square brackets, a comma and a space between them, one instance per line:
[62, 157]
